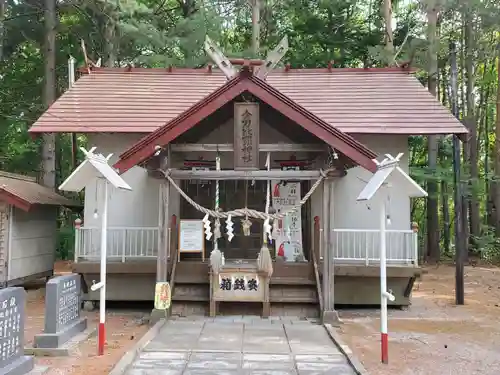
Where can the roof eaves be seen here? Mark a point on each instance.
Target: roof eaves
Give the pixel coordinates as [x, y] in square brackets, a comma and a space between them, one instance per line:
[358, 148]
[14, 200]
[144, 148]
[210, 104]
[320, 122]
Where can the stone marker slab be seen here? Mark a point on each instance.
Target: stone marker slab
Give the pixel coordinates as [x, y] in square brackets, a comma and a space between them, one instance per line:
[12, 358]
[70, 347]
[62, 312]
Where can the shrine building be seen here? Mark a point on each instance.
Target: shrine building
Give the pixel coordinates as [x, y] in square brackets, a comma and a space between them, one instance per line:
[244, 182]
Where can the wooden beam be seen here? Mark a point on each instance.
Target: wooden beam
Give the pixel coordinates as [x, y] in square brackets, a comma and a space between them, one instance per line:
[228, 147]
[276, 174]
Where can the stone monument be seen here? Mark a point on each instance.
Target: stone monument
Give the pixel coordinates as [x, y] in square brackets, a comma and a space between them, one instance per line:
[12, 358]
[62, 312]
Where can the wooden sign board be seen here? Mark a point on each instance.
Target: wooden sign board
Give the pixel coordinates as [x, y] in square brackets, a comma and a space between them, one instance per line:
[246, 136]
[239, 286]
[191, 237]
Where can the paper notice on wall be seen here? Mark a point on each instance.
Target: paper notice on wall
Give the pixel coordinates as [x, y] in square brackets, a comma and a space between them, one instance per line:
[289, 240]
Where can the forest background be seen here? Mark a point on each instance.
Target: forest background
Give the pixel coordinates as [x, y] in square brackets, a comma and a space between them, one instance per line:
[38, 36]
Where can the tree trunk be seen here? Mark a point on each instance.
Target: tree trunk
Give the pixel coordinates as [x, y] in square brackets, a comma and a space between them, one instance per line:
[256, 5]
[489, 220]
[48, 168]
[110, 36]
[474, 218]
[464, 165]
[445, 197]
[497, 152]
[388, 37]
[2, 27]
[433, 250]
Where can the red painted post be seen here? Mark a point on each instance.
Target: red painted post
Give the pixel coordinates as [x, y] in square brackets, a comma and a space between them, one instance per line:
[385, 348]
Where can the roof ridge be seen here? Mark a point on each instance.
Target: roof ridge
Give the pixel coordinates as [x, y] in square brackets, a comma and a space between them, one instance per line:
[17, 176]
[214, 71]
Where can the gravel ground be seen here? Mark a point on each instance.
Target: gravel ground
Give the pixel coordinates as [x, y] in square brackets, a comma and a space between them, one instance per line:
[434, 336]
[124, 328]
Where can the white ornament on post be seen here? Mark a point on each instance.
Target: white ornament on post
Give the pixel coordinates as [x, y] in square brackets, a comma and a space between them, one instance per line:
[388, 173]
[95, 168]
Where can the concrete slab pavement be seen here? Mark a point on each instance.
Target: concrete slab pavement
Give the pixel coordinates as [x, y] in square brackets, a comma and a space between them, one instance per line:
[241, 346]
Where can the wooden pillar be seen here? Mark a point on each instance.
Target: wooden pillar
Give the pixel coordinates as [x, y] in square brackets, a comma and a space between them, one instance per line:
[164, 228]
[324, 243]
[161, 232]
[329, 315]
[164, 241]
[331, 248]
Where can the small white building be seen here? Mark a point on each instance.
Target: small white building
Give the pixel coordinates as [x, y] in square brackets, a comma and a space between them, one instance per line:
[306, 119]
[28, 229]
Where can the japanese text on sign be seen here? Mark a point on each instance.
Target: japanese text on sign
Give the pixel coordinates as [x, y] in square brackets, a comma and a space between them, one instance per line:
[69, 303]
[11, 327]
[62, 300]
[289, 241]
[242, 283]
[246, 136]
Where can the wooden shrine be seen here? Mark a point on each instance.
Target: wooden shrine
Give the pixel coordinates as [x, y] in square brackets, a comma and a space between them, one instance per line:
[244, 181]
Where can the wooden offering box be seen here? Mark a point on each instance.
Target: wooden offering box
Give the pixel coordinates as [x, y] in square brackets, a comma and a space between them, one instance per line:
[239, 282]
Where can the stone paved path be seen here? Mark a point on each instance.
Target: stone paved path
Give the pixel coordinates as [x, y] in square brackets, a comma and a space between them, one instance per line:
[241, 346]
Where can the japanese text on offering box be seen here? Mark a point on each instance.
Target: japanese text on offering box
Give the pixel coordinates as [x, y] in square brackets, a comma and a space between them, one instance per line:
[239, 282]
[11, 325]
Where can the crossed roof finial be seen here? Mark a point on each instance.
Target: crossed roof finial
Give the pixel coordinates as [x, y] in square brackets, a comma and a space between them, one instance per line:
[261, 69]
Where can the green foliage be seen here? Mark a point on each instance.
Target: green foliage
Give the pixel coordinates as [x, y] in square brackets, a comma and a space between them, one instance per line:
[65, 249]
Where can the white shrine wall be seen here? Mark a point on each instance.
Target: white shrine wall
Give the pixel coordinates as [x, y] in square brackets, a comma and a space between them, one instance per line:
[139, 207]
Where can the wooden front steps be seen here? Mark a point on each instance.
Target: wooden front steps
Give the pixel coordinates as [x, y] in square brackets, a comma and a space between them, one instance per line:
[292, 291]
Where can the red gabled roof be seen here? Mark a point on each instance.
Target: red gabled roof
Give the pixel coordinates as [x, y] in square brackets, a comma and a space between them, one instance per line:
[139, 100]
[246, 82]
[23, 192]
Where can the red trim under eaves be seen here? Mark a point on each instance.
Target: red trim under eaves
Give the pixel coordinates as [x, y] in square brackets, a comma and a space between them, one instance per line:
[342, 142]
[14, 200]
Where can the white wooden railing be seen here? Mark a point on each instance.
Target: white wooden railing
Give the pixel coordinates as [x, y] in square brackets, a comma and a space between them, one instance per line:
[124, 243]
[363, 246]
[354, 246]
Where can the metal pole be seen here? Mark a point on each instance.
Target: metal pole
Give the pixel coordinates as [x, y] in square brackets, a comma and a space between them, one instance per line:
[102, 302]
[383, 285]
[459, 243]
